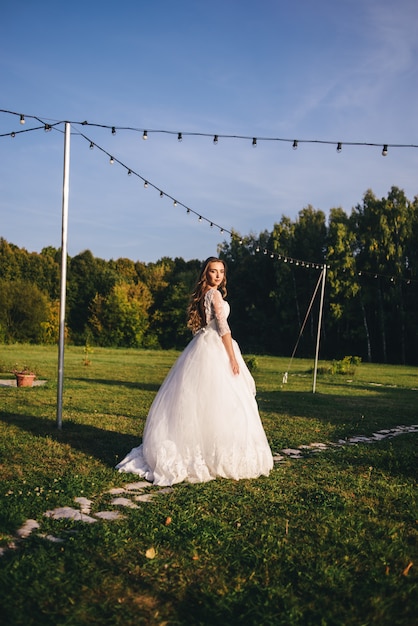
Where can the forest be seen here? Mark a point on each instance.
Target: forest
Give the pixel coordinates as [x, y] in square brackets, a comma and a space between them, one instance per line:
[370, 299]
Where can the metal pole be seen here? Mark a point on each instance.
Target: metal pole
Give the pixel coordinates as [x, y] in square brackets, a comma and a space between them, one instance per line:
[65, 194]
[321, 306]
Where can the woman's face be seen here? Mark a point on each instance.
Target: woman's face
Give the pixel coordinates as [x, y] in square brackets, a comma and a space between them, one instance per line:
[215, 274]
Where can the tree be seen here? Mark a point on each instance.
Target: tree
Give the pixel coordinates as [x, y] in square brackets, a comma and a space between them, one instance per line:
[384, 228]
[87, 278]
[23, 309]
[347, 319]
[121, 317]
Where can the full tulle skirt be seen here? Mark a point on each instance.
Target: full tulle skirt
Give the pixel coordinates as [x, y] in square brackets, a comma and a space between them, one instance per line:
[204, 421]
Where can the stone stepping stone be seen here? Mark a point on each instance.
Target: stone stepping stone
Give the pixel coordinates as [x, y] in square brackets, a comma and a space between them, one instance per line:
[28, 527]
[124, 502]
[145, 497]
[85, 504]
[52, 538]
[109, 515]
[292, 452]
[137, 486]
[67, 512]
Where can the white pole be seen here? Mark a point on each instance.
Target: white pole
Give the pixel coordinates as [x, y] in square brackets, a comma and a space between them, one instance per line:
[65, 194]
[321, 306]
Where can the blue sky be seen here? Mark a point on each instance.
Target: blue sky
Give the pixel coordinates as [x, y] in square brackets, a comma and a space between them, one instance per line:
[331, 71]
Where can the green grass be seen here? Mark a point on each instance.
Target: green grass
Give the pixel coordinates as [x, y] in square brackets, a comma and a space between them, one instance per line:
[325, 540]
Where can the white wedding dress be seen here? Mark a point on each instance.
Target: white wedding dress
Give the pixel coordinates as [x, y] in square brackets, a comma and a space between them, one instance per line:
[204, 420]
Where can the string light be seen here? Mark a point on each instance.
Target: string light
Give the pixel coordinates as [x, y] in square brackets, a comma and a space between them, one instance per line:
[216, 137]
[339, 146]
[180, 137]
[48, 127]
[285, 259]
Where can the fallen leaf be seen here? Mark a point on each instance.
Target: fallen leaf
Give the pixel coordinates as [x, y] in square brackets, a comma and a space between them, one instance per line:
[150, 553]
[407, 568]
[168, 521]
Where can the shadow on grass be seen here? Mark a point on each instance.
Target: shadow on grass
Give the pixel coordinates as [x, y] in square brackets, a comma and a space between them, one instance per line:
[119, 383]
[397, 456]
[104, 445]
[382, 408]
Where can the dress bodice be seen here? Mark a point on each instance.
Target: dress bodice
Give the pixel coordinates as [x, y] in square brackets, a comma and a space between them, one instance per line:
[217, 311]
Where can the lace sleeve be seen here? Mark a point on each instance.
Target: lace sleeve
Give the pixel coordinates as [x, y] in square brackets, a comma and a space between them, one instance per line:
[220, 314]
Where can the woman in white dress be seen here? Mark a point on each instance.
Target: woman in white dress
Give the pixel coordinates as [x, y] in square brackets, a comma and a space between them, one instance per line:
[204, 421]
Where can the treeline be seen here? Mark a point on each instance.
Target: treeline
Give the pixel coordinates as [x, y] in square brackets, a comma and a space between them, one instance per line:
[371, 294]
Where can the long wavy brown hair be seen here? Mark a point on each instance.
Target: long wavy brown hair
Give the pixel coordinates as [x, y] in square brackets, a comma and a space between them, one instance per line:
[196, 318]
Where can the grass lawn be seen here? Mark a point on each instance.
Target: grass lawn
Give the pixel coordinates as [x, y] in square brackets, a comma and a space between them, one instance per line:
[327, 539]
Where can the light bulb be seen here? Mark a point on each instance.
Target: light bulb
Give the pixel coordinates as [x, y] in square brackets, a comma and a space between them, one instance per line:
[13, 134]
[215, 139]
[129, 172]
[161, 194]
[111, 160]
[295, 145]
[339, 146]
[254, 142]
[145, 184]
[91, 145]
[385, 150]
[180, 137]
[145, 135]
[22, 119]
[113, 130]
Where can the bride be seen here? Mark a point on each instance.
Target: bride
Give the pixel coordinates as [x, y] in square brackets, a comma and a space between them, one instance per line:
[204, 420]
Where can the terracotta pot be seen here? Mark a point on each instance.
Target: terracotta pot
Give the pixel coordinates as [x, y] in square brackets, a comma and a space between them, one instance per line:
[24, 380]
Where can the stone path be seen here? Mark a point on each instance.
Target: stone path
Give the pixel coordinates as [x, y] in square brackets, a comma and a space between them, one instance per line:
[132, 495]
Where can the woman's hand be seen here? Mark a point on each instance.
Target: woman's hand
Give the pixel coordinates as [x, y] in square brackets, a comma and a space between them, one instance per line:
[227, 341]
[234, 365]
